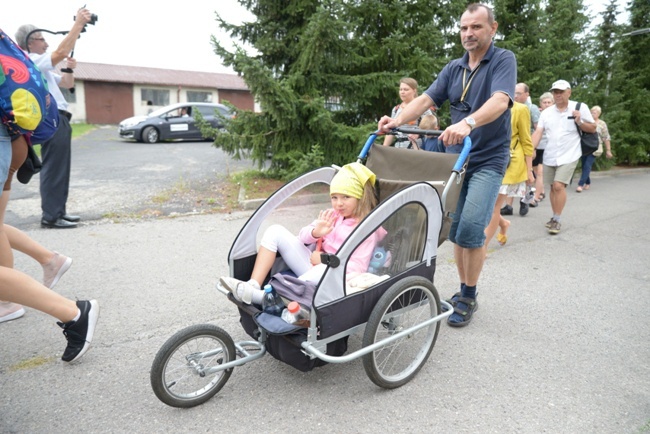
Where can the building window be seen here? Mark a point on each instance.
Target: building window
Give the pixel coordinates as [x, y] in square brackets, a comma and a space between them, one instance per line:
[194, 96]
[69, 95]
[158, 97]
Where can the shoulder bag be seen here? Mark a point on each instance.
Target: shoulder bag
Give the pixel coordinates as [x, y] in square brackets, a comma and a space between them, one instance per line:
[588, 141]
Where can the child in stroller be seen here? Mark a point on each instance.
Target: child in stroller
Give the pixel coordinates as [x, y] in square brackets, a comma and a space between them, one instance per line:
[353, 196]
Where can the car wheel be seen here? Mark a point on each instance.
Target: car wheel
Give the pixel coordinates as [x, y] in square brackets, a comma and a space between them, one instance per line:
[150, 135]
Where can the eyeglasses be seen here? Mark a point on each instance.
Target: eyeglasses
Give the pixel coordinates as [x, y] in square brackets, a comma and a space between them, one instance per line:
[38, 39]
[461, 106]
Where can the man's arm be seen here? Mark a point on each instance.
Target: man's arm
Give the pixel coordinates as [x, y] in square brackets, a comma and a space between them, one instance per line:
[537, 135]
[67, 78]
[409, 113]
[489, 112]
[588, 127]
[584, 120]
[67, 44]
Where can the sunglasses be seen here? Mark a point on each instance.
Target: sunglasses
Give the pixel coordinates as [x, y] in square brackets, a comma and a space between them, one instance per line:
[461, 106]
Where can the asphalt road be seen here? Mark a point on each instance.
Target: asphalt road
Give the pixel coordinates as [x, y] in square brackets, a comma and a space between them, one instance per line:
[560, 343]
[110, 176]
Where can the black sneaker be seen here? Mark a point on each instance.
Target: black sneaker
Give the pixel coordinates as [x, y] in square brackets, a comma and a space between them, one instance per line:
[523, 208]
[506, 210]
[80, 333]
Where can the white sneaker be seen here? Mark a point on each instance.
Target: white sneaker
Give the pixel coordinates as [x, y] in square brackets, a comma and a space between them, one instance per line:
[53, 270]
[9, 311]
[242, 291]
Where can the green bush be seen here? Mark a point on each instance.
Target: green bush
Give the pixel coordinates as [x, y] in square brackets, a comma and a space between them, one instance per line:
[294, 163]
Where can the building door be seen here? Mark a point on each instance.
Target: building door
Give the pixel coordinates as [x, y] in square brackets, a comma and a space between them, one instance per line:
[108, 103]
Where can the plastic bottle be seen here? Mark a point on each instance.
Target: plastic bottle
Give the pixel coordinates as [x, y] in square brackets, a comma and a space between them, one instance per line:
[296, 315]
[272, 303]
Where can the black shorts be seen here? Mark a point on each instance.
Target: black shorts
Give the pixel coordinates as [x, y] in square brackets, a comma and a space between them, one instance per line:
[539, 157]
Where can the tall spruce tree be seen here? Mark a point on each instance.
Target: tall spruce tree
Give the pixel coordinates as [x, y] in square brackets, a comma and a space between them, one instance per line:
[605, 65]
[629, 120]
[520, 32]
[326, 71]
[604, 55]
[563, 45]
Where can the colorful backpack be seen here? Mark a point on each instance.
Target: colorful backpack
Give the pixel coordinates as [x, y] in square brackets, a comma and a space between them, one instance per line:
[26, 106]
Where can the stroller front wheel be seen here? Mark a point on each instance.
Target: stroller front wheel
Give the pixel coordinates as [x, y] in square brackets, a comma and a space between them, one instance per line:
[185, 371]
[407, 303]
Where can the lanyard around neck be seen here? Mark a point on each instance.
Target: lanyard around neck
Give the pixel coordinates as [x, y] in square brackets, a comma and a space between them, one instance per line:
[466, 84]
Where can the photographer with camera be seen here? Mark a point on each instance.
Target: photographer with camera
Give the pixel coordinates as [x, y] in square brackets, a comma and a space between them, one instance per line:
[56, 152]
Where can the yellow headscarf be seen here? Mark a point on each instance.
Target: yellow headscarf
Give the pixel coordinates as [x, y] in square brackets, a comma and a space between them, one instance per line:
[351, 179]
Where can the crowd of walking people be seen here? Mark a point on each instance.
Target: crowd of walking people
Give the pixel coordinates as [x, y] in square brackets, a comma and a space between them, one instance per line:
[524, 176]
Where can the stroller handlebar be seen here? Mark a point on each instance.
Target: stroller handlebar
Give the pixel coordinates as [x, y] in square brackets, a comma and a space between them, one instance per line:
[467, 146]
[467, 143]
[416, 130]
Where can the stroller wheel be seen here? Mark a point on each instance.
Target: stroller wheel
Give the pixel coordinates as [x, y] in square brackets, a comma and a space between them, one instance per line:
[186, 371]
[407, 303]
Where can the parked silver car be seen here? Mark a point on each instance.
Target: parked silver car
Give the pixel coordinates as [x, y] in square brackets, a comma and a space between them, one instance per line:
[174, 121]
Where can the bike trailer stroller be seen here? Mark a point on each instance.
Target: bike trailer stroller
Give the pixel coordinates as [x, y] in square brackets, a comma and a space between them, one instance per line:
[394, 304]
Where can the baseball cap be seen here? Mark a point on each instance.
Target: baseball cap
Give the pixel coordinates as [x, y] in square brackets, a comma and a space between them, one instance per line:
[561, 85]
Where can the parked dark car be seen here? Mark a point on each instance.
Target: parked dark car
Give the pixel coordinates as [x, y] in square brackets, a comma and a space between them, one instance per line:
[174, 121]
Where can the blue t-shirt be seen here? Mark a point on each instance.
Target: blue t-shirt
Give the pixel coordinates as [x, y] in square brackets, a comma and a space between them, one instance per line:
[497, 72]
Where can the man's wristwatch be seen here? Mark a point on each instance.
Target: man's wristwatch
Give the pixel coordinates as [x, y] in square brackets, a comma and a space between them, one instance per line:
[471, 122]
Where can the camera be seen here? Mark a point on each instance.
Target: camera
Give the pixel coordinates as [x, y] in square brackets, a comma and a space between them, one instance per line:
[93, 19]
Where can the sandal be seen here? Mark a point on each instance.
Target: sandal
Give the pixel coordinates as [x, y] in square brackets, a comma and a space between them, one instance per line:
[472, 306]
[542, 196]
[453, 300]
[502, 239]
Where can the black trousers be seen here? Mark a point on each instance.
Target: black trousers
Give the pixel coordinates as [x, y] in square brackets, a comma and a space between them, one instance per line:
[56, 154]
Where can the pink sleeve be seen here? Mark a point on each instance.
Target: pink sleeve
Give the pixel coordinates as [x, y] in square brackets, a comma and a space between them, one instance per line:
[305, 235]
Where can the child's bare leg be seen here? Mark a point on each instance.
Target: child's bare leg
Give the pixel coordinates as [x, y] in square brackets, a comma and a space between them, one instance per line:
[263, 264]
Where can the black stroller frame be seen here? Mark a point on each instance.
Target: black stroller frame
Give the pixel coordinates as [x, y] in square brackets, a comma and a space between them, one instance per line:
[399, 315]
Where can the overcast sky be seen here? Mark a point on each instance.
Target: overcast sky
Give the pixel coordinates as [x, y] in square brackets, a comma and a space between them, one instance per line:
[157, 34]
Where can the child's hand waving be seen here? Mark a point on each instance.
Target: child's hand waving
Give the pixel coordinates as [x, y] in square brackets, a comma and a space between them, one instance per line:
[325, 223]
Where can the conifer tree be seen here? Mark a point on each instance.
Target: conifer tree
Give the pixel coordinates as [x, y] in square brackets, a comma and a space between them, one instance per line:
[629, 120]
[605, 66]
[520, 31]
[326, 70]
[563, 45]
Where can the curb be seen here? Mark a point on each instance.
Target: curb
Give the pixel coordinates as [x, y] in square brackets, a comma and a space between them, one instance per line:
[616, 172]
